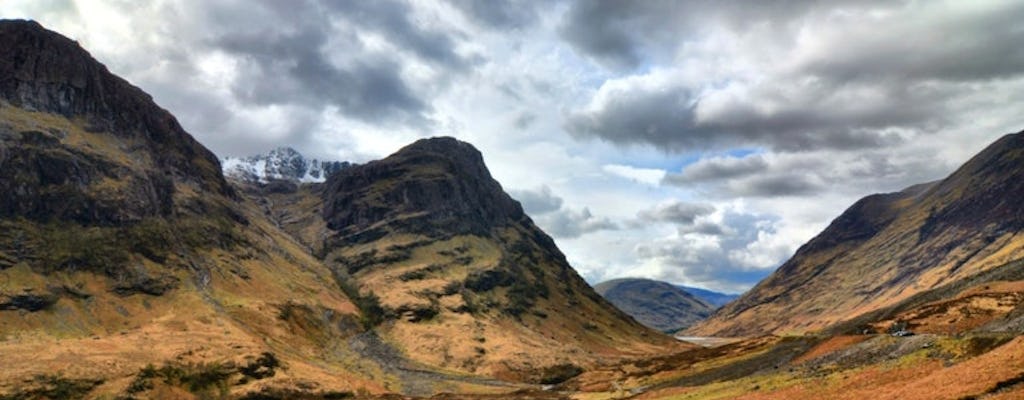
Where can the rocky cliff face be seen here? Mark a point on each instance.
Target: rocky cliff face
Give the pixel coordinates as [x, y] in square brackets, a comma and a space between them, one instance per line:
[888, 247]
[46, 72]
[436, 187]
[80, 144]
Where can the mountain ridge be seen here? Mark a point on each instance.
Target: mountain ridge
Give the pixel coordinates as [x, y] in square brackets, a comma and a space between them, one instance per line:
[887, 247]
[659, 305]
[281, 163]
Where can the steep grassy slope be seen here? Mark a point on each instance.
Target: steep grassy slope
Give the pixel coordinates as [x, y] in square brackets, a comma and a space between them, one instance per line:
[659, 305]
[462, 277]
[122, 245]
[888, 247]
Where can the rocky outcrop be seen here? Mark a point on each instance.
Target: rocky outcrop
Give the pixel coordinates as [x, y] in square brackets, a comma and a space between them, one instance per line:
[437, 187]
[43, 180]
[30, 302]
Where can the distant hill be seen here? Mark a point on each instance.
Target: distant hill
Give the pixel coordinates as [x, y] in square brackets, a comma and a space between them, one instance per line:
[889, 247]
[715, 299]
[657, 304]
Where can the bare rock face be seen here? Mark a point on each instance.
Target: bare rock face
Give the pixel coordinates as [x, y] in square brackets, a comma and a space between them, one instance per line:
[438, 187]
[44, 72]
[96, 176]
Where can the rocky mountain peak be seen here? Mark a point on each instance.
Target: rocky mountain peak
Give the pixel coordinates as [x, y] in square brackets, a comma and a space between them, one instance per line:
[282, 163]
[436, 186]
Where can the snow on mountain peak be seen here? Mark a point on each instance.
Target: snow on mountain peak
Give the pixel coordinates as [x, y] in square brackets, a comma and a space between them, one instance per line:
[282, 163]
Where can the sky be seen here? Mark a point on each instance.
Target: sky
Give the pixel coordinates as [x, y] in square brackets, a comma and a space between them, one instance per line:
[697, 142]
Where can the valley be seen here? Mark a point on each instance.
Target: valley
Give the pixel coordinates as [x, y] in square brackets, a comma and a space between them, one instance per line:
[134, 264]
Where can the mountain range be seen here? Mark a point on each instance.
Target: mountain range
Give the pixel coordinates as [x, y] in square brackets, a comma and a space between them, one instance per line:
[124, 248]
[282, 163]
[134, 265]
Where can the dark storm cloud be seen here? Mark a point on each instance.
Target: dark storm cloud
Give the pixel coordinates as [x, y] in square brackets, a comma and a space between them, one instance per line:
[756, 175]
[718, 168]
[294, 70]
[837, 76]
[974, 45]
[546, 209]
[569, 223]
[676, 212]
[806, 174]
[628, 34]
[500, 14]
[667, 118]
[792, 184]
[392, 19]
[322, 62]
[537, 202]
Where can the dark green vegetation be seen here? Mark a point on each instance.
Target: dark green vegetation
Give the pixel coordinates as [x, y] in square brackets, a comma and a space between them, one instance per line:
[206, 380]
[52, 387]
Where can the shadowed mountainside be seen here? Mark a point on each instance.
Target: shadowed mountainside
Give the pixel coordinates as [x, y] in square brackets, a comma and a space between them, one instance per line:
[888, 247]
[659, 305]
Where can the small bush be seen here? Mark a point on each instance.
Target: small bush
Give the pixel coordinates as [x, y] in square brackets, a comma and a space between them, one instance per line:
[556, 374]
[263, 367]
[53, 387]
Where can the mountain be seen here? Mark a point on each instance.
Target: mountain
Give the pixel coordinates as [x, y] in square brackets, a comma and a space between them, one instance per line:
[122, 246]
[887, 248]
[131, 268]
[462, 277]
[659, 305]
[713, 298]
[282, 163]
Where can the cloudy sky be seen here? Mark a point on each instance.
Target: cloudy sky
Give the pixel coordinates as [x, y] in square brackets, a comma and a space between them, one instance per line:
[699, 142]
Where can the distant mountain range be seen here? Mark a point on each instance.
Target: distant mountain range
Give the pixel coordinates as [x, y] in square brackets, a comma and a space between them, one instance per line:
[661, 305]
[715, 299]
[282, 163]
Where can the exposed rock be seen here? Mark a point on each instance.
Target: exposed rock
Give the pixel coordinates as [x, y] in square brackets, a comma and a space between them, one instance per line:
[437, 187]
[44, 71]
[45, 181]
[27, 301]
[144, 284]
